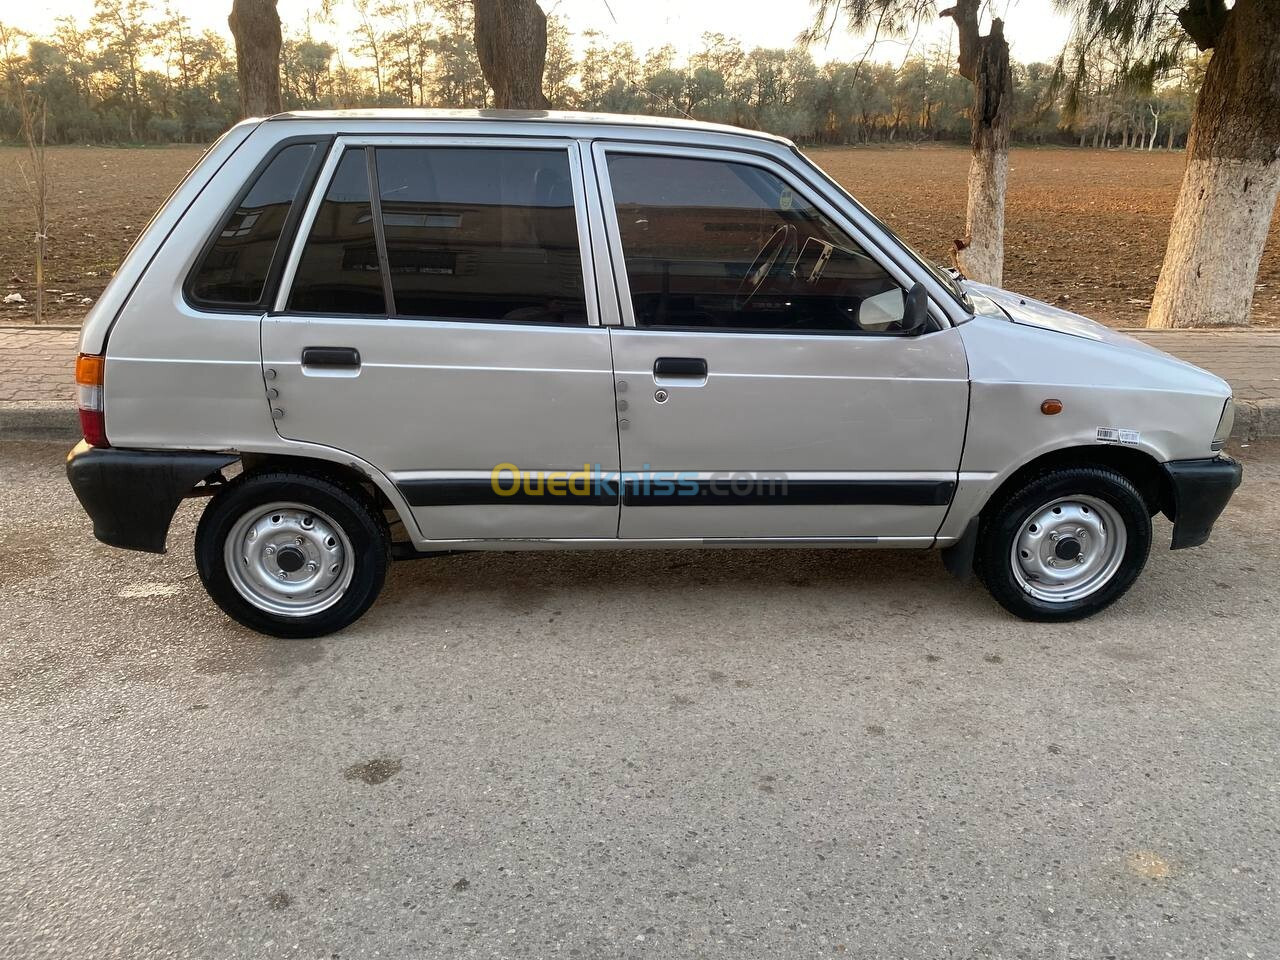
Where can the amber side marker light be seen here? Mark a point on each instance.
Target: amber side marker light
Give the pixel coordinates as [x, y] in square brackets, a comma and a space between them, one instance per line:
[89, 370]
[1051, 407]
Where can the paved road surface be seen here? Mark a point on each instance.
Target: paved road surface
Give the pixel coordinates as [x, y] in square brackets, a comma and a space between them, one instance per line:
[725, 754]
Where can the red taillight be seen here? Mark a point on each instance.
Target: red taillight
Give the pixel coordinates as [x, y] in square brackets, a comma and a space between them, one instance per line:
[89, 379]
[94, 427]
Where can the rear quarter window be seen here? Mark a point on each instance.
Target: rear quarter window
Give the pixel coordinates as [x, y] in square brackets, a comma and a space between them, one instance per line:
[237, 267]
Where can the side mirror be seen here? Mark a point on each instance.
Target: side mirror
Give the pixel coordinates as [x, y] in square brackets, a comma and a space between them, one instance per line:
[915, 310]
[895, 313]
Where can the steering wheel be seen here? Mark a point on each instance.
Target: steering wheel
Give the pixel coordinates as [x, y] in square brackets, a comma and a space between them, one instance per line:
[780, 240]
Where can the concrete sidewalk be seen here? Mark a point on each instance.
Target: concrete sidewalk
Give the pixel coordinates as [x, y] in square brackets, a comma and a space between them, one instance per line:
[37, 366]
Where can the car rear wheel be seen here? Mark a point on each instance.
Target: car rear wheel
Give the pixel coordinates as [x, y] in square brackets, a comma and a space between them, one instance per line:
[292, 555]
[1065, 545]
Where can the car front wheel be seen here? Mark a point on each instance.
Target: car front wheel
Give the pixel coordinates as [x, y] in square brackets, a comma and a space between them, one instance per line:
[292, 555]
[1065, 545]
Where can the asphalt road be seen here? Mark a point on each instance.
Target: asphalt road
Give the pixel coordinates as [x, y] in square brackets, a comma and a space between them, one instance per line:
[722, 754]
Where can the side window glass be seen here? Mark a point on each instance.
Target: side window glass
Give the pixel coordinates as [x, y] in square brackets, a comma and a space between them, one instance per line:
[339, 271]
[481, 234]
[234, 270]
[712, 244]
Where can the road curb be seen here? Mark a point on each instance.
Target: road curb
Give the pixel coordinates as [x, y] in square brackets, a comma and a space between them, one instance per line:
[38, 327]
[1255, 420]
[39, 421]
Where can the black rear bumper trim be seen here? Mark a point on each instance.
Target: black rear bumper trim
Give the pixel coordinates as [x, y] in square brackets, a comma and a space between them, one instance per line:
[1201, 489]
[131, 495]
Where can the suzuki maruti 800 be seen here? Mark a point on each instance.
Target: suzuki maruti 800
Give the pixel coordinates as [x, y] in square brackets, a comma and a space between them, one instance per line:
[382, 334]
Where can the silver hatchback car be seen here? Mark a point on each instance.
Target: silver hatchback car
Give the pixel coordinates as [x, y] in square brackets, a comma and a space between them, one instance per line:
[371, 335]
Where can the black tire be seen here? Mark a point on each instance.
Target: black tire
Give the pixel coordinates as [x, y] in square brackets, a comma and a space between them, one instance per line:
[348, 508]
[1003, 520]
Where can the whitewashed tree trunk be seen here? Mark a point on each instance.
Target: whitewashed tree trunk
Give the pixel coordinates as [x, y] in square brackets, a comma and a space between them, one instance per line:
[1232, 179]
[1215, 244]
[982, 256]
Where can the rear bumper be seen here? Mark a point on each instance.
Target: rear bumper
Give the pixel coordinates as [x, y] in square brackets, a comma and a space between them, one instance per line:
[131, 495]
[1201, 489]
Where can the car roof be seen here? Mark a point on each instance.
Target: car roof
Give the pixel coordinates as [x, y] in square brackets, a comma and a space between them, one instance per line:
[615, 122]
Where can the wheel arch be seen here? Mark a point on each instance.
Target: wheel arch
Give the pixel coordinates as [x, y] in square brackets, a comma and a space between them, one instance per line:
[342, 473]
[357, 477]
[1140, 468]
[1137, 466]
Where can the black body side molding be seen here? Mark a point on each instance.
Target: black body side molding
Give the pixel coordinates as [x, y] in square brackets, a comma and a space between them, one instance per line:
[790, 493]
[481, 492]
[675, 490]
[131, 495]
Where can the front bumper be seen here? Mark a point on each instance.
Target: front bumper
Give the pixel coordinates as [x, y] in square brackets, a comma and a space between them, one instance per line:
[131, 495]
[1201, 489]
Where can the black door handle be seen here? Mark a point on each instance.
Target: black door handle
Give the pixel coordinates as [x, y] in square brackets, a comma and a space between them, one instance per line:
[680, 367]
[330, 357]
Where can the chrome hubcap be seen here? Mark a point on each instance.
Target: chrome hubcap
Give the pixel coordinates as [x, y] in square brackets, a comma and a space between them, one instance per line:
[1068, 549]
[288, 559]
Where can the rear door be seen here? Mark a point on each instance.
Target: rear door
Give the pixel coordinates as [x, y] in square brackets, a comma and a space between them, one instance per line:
[769, 393]
[437, 320]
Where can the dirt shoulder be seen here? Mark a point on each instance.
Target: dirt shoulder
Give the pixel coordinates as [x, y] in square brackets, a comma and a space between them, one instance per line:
[101, 198]
[1089, 226]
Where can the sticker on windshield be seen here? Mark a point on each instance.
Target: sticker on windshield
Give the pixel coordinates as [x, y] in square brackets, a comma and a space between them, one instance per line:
[1116, 435]
[784, 198]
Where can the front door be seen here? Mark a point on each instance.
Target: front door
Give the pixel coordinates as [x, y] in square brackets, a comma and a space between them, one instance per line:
[768, 392]
[439, 326]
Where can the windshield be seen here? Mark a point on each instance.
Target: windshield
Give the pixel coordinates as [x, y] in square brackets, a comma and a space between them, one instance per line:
[947, 278]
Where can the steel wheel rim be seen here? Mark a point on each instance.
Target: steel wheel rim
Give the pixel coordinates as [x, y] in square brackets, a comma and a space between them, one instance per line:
[1068, 549]
[288, 559]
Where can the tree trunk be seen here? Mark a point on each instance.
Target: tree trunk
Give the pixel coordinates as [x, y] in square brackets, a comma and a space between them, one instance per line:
[1232, 178]
[511, 43]
[985, 61]
[256, 28]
